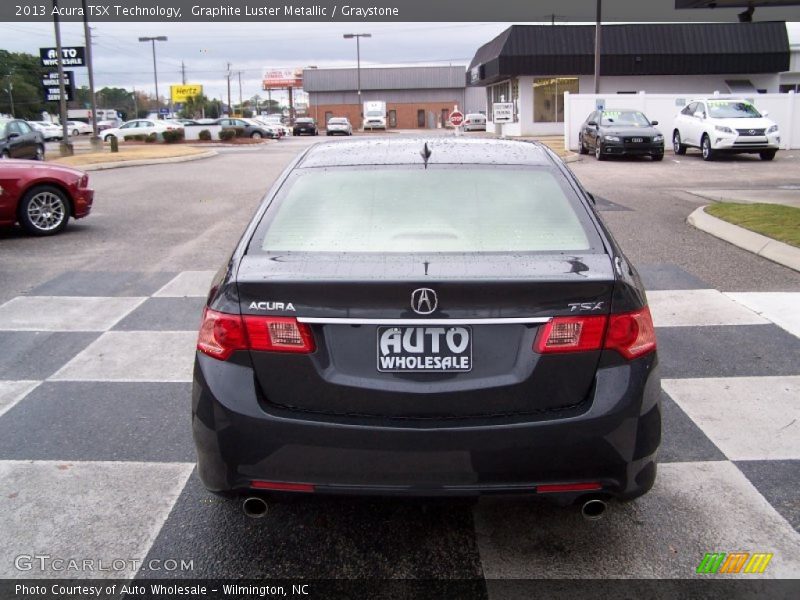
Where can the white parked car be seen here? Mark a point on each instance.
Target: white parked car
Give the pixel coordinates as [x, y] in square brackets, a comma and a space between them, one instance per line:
[717, 125]
[139, 127]
[475, 122]
[49, 131]
[338, 125]
[77, 128]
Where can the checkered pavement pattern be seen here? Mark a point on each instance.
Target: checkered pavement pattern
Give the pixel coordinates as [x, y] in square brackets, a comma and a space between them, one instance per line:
[97, 461]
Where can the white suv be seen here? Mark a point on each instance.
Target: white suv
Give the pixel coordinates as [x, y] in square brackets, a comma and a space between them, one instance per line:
[717, 125]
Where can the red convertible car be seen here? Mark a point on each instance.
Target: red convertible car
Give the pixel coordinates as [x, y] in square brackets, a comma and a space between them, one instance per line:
[42, 197]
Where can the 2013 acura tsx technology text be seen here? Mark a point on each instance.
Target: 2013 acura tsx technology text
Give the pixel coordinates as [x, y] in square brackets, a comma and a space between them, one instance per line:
[404, 317]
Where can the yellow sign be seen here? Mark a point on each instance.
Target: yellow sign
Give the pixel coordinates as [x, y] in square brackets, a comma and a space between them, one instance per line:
[181, 93]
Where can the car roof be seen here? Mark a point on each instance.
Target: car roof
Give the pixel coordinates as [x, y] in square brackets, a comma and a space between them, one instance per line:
[407, 151]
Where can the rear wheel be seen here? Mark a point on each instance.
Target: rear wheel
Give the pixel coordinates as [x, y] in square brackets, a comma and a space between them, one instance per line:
[767, 154]
[75, 133]
[44, 210]
[677, 147]
[705, 148]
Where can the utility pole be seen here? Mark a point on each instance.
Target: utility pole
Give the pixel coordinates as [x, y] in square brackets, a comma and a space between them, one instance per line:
[597, 29]
[229, 88]
[65, 146]
[241, 106]
[10, 89]
[153, 40]
[183, 73]
[87, 34]
[135, 105]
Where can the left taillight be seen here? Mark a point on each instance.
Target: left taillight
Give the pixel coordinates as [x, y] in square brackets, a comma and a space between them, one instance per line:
[222, 334]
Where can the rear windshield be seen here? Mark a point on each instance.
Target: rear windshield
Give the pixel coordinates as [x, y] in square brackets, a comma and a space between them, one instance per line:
[414, 210]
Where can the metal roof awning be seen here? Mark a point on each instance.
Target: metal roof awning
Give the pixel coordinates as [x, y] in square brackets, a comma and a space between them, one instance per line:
[741, 86]
[634, 49]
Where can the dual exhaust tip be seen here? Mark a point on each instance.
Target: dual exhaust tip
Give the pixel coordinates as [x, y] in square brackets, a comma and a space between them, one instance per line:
[256, 508]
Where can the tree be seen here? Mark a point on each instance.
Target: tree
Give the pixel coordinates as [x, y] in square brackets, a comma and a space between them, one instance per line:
[21, 79]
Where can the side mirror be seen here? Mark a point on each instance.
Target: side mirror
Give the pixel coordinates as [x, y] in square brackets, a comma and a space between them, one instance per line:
[653, 123]
[592, 123]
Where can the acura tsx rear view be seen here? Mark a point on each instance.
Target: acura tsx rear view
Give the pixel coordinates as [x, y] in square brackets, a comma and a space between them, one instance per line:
[427, 318]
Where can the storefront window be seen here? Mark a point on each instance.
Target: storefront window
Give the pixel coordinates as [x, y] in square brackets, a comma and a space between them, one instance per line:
[508, 91]
[548, 97]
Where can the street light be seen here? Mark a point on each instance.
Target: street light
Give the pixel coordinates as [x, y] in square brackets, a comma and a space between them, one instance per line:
[358, 36]
[153, 40]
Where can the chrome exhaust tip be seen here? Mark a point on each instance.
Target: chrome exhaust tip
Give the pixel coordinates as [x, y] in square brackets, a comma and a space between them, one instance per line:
[594, 509]
[254, 507]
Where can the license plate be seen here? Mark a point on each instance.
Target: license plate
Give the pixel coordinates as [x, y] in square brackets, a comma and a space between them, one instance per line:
[637, 140]
[424, 349]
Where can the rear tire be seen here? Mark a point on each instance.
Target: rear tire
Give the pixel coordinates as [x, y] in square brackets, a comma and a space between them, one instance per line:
[75, 133]
[44, 210]
[767, 154]
[706, 149]
[677, 147]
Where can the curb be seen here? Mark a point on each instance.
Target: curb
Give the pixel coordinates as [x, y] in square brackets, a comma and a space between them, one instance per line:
[758, 244]
[141, 163]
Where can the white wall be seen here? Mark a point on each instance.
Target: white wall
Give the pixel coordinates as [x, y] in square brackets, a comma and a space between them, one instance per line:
[784, 109]
[192, 132]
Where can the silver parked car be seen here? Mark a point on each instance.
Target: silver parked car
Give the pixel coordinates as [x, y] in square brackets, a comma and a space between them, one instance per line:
[475, 122]
[339, 125]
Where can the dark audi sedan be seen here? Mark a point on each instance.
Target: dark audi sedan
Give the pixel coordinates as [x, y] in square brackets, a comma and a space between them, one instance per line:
[620, 133]
[436, 318]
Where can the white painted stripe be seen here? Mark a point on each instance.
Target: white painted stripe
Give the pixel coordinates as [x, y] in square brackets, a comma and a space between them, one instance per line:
[163, 356]
[11, 392]
[748, 418]
[187, 284]
[66, 313]
[356, 321]
[782, 308]
[698, 308]
[85, 510]
[693, 508]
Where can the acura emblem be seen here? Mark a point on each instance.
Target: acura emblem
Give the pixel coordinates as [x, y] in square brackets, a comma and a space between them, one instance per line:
[424, 301]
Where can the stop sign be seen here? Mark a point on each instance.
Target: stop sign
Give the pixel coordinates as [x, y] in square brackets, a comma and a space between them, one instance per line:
[456, 118]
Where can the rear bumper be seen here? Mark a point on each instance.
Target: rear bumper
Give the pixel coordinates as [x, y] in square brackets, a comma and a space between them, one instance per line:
[613, 442]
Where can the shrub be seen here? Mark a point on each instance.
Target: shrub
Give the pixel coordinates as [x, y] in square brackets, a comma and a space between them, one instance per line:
[171, 137]
[205, 135]
[139, 137]
[151, 138]
[227, 134]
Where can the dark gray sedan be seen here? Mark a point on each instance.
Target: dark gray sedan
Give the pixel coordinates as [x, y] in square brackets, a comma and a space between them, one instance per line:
[620, 133]
[428, 318]
[19, 140]
[250, 128]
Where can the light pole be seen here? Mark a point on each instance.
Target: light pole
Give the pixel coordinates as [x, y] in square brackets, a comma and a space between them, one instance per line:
[153, 40]
[358, 36]
[10, 90]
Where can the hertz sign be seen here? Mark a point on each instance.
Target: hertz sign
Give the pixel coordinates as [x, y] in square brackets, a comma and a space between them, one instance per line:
[181, 93]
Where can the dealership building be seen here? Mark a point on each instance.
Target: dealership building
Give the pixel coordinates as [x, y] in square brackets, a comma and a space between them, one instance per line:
[416, 97]
[532, 66]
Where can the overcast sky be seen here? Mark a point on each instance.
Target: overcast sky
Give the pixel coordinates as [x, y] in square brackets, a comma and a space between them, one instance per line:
[206, 48]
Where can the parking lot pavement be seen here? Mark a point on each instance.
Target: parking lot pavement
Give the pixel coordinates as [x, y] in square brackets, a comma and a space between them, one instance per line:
[106, 415]
[96, 458]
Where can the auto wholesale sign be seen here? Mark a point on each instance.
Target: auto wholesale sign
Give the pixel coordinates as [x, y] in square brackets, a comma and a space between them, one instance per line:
[282, 78]
[52, 90]
[71, 56]
[181, 93]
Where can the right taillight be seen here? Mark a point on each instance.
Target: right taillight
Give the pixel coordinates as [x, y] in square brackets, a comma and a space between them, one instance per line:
[221, 334]
[631, 334]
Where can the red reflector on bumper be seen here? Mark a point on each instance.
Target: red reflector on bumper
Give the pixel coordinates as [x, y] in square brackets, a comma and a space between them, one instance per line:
[568, 487]
[281, 486]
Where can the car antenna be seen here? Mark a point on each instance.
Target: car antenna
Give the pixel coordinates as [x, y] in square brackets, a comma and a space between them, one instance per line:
[425, 153]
